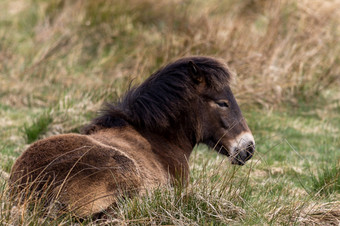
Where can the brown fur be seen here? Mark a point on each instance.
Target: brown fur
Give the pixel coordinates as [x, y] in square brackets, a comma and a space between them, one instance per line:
[106, 163]
[140, 143]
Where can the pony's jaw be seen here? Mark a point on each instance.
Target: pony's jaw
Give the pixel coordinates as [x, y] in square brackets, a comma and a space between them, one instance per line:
[242, 148]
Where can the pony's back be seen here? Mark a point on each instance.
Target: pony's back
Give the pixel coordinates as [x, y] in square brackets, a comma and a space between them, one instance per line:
[86, 174]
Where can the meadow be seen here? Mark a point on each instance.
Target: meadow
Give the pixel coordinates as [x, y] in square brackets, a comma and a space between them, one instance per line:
[61, 60]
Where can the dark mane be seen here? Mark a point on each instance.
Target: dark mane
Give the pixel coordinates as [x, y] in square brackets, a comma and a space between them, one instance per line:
[167, 98]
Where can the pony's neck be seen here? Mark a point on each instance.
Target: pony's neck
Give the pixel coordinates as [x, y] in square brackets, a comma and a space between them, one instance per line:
[173, 154]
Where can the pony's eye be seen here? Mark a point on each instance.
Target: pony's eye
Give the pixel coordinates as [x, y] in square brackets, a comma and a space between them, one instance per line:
[222, 104]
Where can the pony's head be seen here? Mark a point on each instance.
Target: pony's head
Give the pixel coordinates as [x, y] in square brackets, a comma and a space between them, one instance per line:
[221, 122]
[187, 101]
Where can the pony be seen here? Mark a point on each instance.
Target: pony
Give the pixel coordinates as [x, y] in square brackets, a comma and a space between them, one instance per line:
[141, 142]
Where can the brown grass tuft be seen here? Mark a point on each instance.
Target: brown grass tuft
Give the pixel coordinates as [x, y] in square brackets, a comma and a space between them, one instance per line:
[321, 214]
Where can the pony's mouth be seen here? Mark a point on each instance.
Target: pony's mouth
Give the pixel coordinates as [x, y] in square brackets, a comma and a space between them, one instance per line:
[241, 155]
[237, 155]
[236, 158]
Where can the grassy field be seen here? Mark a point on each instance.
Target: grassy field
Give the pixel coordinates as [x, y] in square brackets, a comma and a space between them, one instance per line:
[60, 60]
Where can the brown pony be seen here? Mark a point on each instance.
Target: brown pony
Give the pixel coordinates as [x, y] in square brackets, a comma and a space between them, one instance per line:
[141, 142]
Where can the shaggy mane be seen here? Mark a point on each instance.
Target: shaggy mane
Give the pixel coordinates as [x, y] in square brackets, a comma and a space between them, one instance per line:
[168, 98]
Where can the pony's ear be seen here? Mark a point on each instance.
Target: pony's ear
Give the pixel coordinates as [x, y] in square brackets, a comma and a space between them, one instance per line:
[195, 72]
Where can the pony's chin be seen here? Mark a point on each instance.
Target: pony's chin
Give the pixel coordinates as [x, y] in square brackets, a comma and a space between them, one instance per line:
[235, 161]
[222, 150]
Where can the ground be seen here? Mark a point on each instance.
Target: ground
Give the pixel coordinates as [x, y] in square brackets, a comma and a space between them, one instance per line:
[60, 60]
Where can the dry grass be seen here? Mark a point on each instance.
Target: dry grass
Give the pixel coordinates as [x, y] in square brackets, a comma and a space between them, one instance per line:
[62, 59]
[321, 214]
[280, 50]
[219, 194]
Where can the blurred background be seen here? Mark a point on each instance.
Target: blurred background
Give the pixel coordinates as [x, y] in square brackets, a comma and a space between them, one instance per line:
[60, 60]
[280, 51]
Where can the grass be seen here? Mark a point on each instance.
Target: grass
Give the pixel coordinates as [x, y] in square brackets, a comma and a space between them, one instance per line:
[59, 60]
[38, 127]
[327, 179]
[294, 177]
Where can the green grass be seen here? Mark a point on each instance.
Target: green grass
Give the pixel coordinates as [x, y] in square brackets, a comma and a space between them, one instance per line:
[292, 177]
[57, 67]
[327, 179]
[38, 127]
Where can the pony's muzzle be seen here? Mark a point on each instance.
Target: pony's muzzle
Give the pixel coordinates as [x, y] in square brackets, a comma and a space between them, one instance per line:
[243, 154]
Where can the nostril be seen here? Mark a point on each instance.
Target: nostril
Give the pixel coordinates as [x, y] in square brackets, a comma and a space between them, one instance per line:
[250, 149]
[251, 146]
